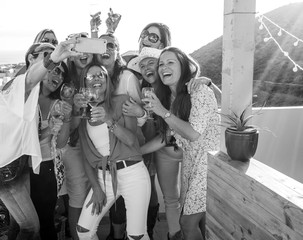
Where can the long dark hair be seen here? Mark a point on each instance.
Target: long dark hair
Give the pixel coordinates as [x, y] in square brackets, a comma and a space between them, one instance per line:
[181, 106]
[75, 78]
[119, 65]
[109, 86]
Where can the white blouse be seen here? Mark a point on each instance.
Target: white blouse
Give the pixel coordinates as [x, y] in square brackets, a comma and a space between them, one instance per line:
[100, 137]
[19, 124]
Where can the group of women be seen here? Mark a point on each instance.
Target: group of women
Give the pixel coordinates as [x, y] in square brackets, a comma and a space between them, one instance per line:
[112, 157]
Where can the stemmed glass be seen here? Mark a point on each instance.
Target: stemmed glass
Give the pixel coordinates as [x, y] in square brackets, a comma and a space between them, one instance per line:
[93, 97]
[146, 93]
[67, 92]
[56, 112]
[83, 110]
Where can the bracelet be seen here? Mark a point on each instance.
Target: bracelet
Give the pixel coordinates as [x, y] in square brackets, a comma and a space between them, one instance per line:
[67, 120]
[144, 114]
[209, 84]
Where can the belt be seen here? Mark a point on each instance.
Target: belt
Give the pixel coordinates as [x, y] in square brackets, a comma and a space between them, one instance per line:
[121, 164]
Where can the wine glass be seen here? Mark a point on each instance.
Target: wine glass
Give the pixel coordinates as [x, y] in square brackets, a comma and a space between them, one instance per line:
[67, 92]
[83, 110]
[93, 97]
[146, 93]
[56, 111]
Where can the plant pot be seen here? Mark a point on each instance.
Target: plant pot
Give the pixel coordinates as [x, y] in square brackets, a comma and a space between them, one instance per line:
[241, 145]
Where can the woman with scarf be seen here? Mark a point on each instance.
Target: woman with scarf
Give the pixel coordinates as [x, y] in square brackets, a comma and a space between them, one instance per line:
[113, 161]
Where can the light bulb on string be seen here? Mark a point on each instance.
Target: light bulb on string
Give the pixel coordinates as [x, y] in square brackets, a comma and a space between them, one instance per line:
[260, 18]
[271, 36]
[296, 43]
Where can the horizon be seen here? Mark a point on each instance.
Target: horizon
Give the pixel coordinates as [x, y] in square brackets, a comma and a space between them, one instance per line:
[208, 16]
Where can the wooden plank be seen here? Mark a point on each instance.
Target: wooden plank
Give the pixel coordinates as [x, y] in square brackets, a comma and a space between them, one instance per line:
[289, 188]
[235, 172]
[214, 231]
[223, 184]
[234, 220]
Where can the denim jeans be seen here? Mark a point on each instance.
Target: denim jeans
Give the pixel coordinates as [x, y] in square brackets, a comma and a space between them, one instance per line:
[168, 166]
[16, 197]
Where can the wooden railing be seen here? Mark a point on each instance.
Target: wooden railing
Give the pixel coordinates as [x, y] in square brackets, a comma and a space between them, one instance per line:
[251, 201]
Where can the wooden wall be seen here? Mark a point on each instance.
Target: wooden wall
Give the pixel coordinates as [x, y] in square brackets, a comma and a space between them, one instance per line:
[251, 201]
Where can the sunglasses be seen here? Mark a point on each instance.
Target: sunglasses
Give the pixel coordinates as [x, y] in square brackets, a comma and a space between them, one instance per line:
[152, 37]
[99, 75]
[57, 72]
[52, 41]
[44, 50]
[73, 35]
[111, 46]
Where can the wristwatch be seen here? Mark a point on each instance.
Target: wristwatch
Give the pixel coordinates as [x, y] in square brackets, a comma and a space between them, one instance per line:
[48, 63]
[167, 115]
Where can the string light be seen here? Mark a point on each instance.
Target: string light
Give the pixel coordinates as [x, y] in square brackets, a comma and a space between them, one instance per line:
[286, 54]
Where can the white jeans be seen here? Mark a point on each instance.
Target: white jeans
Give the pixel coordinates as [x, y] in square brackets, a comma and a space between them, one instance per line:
[134, 186]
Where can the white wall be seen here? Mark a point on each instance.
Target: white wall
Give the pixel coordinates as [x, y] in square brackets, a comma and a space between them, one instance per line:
[284, 151]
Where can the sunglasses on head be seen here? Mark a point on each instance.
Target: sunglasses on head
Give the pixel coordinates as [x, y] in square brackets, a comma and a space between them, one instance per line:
[44, 50]
[99, 75]
[82, 34]
[52, 41]
[152, 37]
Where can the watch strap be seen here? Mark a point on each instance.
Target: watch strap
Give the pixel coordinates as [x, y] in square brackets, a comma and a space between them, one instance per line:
[167, 115]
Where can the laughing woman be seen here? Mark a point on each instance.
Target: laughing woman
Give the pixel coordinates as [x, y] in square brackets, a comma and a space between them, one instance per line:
[113, 161]
[193, 121]
[44, 184]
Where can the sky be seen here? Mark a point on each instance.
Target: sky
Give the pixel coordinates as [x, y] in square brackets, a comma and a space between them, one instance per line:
[193, 23]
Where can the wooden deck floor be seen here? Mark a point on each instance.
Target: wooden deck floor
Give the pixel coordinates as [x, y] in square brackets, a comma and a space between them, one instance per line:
[160, 230]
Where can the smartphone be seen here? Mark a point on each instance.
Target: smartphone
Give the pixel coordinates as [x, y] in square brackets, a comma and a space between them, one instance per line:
[91, 45]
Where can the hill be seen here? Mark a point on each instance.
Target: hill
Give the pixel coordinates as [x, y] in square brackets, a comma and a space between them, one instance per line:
[274, 78]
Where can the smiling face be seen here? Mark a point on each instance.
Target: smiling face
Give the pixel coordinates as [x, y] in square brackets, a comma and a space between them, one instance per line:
[53, 80]
[148, 38]
[169, 69]
[83, 61]
[148, 69]
[96, 78]
[109, 57]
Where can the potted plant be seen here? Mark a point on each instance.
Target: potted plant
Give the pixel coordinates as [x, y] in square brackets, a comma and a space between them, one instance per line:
[241, 139]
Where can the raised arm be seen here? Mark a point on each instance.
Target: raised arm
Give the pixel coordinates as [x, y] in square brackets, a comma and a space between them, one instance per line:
[39, 68]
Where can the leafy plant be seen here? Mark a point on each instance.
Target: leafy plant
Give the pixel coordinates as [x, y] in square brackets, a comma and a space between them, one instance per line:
[239, 122]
